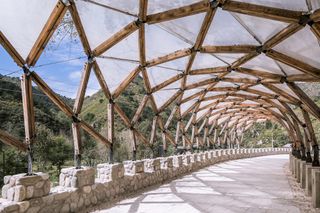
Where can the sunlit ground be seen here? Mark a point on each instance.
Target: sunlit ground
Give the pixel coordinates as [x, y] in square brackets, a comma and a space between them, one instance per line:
[248, 185]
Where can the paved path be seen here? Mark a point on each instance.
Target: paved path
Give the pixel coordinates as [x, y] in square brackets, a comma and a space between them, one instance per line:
[247, 185]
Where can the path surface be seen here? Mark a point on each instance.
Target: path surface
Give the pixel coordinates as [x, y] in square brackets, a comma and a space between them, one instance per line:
[247, 185]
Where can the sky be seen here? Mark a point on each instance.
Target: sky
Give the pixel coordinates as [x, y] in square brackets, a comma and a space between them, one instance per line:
[60, 66]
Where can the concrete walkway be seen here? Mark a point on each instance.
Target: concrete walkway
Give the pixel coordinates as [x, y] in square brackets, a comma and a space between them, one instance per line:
[247, 185]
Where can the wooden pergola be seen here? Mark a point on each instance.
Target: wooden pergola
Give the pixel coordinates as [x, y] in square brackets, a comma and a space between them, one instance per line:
[240, 84]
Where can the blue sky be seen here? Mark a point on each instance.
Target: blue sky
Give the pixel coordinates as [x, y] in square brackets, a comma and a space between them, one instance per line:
[60, 66]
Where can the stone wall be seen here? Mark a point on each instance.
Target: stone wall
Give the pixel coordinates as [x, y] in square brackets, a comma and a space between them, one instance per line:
[82, 189]
[308, 177]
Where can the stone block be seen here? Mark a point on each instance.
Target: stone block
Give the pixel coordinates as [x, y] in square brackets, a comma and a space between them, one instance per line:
[21, 187]
[110, 172]
[133, 167]
[178, 160]
[316, 187]
[77, 178]
[297, 165]
[151, 165]
[309, 179]
[186, 159]
[166, 163]
[303, 174]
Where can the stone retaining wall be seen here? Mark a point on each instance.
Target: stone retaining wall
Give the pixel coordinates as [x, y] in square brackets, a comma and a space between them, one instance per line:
[308, 177]
[80, 189]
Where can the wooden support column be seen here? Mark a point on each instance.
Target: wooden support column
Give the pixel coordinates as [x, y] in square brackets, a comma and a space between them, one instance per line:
[28, 114]
[313, 138]
[307, 144]
[110, 126]
[178, 135]
[76, 110]
[134, 144]
[77, 144]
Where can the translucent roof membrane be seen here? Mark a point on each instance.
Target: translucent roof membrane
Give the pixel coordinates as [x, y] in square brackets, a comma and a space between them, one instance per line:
[205, 103]
[157, 75]
[127, 6]
[159, 42]
[228, 58]
[286, 89]
[289, 70]
[235, 74]
[223, 28]
[201, 113]
[115, 71]
[263, 63]
[22, 22]
[303, 46]
[126, 49]
[156, 6]
[97, 23]
[204, 60]
[186, 28]
[166, 93]
[262, 89]
[262, 28]
[185, 106]
[299, 5]
[191, 79]
[190, 92]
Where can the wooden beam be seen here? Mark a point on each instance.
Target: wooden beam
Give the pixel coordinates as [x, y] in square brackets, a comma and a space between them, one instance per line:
[76, 140]
[305, 99]
[212, 70]
[116, 38]
[168, 102]
[153, 129]
[302, 66]
[101, 80]
[315, 28]
[169, 57]
[125, 83]
[140, 109]
[81, 33]
[309, 127]
[244, 59]
[167, 82]
[11, 50]
[143, 7]
[12, 141]
[282, 35]
[82, 88]
[91, 131]
[110, 122]
[180, 12]
[46, 33]
[229, 49]
[51, 94]
[259, 74]
[28, 110]
[263, 11]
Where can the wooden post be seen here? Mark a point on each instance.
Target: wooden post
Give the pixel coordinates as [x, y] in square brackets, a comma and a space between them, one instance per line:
[77, 144]
[134, 145]
[313, 138]
[28, 114]
[110, 134]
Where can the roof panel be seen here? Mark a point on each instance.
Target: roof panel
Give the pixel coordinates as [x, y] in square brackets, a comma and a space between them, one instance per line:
[226, 30]
[22, 22]
[299, 5]
[303, 46]
[96, 22]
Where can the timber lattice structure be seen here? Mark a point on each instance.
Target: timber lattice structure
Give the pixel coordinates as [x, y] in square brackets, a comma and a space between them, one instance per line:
[239, 64]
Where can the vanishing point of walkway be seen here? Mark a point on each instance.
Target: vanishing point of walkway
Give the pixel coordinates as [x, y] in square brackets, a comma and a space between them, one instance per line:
[247, 185]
